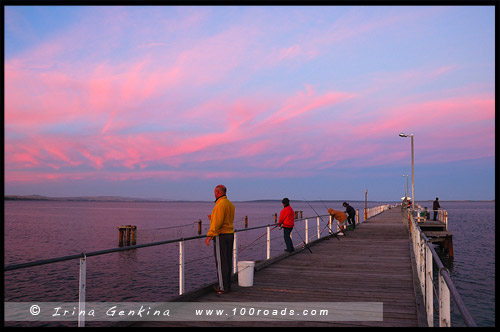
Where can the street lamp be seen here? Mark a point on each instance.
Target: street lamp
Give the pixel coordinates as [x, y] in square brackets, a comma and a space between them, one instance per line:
[412, 171]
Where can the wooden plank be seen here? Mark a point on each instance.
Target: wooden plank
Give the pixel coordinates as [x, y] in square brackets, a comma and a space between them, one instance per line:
[437, 233]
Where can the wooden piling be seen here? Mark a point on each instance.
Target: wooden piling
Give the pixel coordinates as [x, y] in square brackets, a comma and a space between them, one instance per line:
[126, 235]
[133, 235]
[448, 245]
[275, 218]
[199, 226]
[246, 221]
[120, 236]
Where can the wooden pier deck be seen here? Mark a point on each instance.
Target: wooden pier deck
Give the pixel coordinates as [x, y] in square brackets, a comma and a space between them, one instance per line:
[370, 264]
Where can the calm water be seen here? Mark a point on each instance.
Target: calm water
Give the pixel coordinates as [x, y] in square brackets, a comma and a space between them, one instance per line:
[41, 230]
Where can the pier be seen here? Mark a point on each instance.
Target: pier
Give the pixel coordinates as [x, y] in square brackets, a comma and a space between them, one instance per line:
[387, 262]
[373, 263]
[437, 230]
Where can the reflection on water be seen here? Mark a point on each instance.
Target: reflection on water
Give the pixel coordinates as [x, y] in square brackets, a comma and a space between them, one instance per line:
[445, 258]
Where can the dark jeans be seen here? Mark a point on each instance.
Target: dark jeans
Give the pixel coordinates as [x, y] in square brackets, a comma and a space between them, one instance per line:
[351, 220]
[223, 252]
[288, 240]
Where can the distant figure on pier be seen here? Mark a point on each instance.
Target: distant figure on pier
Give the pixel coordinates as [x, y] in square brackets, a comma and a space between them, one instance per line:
[222, 233]
[286, 221]
[351, 214]
[425, 214]
[340, 216]
[435, 207]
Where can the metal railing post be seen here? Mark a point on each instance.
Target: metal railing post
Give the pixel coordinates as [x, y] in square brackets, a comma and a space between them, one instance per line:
[235, 253]
[307, 232]
[181, 267]
[422, 265]
[268, 242]
[429, 305]
[444, 303]
[330, 224]
[317, 226]
[81, 291]
[416, 249]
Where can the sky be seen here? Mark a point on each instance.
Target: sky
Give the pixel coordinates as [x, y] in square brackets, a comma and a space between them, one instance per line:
[288, 101]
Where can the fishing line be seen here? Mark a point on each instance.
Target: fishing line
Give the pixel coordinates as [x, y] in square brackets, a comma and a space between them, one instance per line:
[257, 239]
[321, 219]
[305, 244]
[241, 248]
[169, 227]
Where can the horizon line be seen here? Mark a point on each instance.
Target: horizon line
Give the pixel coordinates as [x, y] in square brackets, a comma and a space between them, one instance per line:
[112, 198]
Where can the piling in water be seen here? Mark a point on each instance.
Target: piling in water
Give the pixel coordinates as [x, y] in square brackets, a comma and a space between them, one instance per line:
[126, 235]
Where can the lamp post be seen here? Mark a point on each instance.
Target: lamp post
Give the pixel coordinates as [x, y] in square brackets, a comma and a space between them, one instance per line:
[406, 195]
[412, 171]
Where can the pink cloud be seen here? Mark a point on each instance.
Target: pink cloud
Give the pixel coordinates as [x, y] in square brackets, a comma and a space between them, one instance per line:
[159, 109]
[168, 148]
[438, 124]
[302, 103]
[253, 124]
[22, 156]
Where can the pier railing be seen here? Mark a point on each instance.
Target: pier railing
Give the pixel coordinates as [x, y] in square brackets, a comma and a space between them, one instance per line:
[322, 224]
[373, 211]
[425, 255]
[424, 215]
[182, 263]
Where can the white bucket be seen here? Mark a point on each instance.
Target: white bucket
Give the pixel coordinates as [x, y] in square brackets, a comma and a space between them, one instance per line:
[245, 273]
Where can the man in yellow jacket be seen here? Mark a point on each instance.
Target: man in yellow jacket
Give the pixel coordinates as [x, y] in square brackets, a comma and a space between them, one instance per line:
[222, 233]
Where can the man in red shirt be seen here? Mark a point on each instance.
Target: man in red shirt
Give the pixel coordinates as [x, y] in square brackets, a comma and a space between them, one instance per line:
[286, 221]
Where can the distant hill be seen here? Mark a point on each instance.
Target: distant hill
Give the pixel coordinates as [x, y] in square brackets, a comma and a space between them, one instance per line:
[80, 198]
[132, 199]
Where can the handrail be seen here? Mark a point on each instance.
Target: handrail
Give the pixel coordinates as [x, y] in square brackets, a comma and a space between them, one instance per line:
[469, 321]
[424, 215]
[373, 211]
[425, 254]
[108, 251]
[83, 256]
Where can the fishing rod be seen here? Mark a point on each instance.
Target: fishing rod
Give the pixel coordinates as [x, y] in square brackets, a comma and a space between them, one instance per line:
[304, 242]
[329, 230]
[259, 238]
